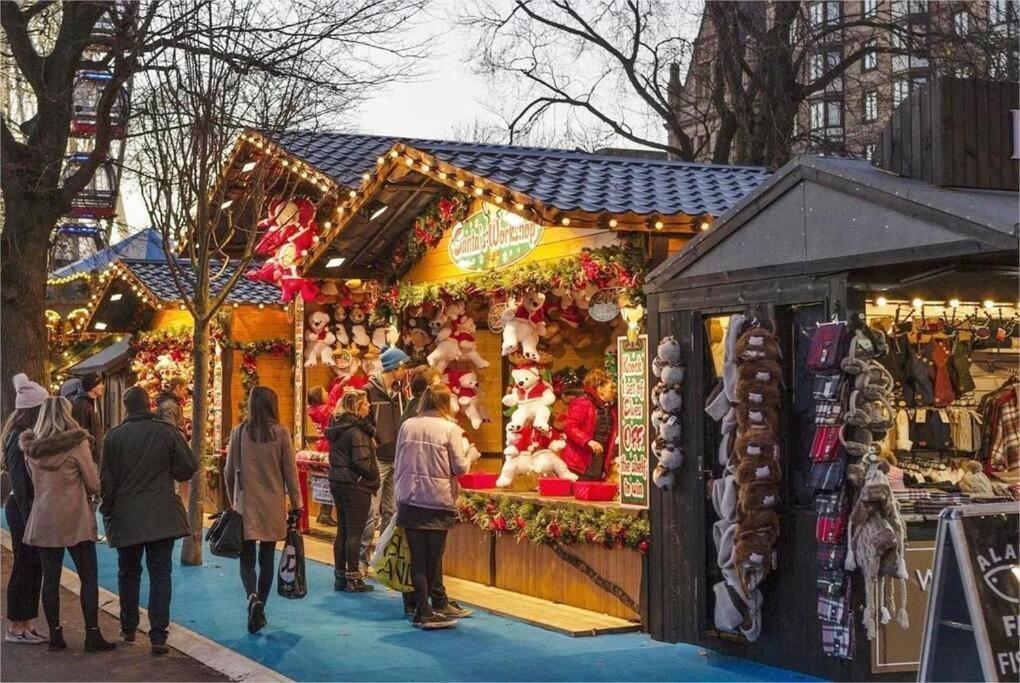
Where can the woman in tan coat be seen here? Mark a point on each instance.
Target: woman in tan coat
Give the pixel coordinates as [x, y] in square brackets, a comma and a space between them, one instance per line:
[59, 458]
[260, 473]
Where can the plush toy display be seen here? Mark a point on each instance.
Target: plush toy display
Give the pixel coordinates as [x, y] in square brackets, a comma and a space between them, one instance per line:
[464, 329]
[290, 232]
[524, 324]
[464, 387]
[532, 397]
[533, 450]
[447, 348]
[382, 333]
[320, 410]
[359, 327]
[417, 336]
[342, 326]
[319, 340]
[286, 218]
[667, 395]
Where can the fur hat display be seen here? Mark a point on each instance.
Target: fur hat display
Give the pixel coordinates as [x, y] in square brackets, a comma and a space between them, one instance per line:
[762, 370]
[758, 470]
[751, 417]
[754, 392]
[757, 342]
[755, 495]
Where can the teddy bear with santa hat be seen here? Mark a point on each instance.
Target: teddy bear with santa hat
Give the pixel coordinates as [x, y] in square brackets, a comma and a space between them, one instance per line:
[531, 396]
[524, 324]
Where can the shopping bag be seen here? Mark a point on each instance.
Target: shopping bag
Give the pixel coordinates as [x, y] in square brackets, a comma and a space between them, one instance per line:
[290, 577]
[226, 535]
[392, 559]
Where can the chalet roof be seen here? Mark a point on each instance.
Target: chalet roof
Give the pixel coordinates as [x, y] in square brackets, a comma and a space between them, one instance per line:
[157, 278]
[144, 245]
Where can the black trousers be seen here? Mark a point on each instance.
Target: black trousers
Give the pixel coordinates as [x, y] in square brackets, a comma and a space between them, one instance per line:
[427, 546]
[438, 593]
[354, 505]
[158, 562]
[263, 583]
[25, 583]
[84, 556]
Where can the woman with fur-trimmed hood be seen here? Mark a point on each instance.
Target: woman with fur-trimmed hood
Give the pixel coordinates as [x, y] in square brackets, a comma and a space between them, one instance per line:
[59, 457]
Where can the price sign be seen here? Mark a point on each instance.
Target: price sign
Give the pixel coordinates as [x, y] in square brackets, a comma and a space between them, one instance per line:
[632, 402]
[320, 490]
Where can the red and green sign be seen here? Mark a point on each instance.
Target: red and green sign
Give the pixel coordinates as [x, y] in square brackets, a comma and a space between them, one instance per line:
[632, 393]
[492, 238]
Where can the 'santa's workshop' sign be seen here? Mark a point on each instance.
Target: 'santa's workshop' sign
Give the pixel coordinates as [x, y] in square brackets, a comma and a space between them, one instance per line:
[492, 238]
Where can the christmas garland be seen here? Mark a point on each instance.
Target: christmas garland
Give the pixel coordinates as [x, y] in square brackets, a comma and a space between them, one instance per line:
[554, 524]
[427, 230]
[622, 264]
[249, 368]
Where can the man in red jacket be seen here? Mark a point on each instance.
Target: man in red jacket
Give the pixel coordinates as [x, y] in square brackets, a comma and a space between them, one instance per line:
[590, 427]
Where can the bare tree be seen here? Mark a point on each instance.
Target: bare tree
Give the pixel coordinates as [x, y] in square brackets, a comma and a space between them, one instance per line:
[268, 69]
[754, 77]
[337, 50]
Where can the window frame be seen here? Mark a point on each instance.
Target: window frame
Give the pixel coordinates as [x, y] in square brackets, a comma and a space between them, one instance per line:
[870, 56]
[870, 113]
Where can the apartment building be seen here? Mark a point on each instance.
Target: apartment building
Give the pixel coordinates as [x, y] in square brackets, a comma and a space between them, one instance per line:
[903, 42]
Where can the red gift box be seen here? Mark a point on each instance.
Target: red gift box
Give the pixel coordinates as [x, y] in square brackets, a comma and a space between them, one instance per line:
[478, 480]
[551, 486]
[594, 490]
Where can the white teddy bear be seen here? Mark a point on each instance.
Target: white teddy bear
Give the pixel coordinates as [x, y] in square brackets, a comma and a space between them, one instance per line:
[545, 456]
[464, 329]
[447, 348]
[532, 397]
[464, 387]
[524, 324]
[319, 340]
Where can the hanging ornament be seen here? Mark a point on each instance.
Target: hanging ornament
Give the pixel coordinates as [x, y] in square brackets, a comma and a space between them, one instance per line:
[604, 305]
[495, 317]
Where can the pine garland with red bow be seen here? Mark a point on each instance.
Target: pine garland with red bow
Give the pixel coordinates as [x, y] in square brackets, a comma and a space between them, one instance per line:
[427, 230]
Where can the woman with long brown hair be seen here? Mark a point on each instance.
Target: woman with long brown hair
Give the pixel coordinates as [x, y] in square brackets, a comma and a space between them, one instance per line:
[26, 572]
[59, 457]
[430, 455]
[260, 474]
[353, 480]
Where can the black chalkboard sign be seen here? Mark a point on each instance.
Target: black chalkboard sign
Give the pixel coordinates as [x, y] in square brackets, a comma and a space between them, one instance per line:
[972, 630]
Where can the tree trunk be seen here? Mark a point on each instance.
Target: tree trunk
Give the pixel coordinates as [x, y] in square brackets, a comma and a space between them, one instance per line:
[23, 267]
[191, 549]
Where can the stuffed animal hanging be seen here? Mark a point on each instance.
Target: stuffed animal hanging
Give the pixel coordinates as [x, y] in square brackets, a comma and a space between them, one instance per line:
[524, 324]
[463, 385]
[531, 396]
[319, 340]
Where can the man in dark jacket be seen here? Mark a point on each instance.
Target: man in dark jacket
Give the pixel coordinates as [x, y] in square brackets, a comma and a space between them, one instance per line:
[384, 391]
[142, 457]
[85, 411]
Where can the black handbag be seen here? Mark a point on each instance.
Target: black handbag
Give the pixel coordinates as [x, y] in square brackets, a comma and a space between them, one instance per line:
[226, 535]
[290, 576]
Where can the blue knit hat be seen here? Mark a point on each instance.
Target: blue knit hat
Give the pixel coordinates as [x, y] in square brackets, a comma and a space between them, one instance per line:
[392, 358]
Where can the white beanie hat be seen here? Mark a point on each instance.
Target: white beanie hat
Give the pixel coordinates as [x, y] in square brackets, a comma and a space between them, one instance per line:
[29, 394]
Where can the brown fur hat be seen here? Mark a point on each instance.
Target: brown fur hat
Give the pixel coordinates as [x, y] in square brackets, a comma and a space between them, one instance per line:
[758, 469]
[760, 518]
[754, 548]
[762, 370]
[757, 393]
[752, 417]
[756, 496]
[757, 342]
[755, 444]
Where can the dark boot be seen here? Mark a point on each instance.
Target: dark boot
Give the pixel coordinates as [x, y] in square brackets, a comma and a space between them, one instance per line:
[356, 583]
[94, 641]
[325, 517]
[339, 581]
[57, 638]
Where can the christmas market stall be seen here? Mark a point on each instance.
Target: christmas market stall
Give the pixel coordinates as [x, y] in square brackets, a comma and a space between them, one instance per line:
[515, 274]
[251, 342]
[850, 338]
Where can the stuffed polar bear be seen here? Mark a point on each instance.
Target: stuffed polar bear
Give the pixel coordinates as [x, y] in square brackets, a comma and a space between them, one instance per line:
[447, 348]
[319, 340]
[531, 450]
[464, 329]
[532, 397]
[524, 324]
[464, 387]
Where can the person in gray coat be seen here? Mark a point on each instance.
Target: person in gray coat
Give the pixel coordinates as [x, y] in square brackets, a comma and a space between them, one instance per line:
[143, 457]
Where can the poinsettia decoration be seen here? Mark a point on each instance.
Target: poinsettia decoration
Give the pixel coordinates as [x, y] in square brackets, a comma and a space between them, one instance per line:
[442, 214]
[547, 523]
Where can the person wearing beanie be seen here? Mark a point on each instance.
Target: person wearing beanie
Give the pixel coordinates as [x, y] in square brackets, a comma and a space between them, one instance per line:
[85, 410]
[170, 408]
[26, 571]
[385, 393]
[142, 458]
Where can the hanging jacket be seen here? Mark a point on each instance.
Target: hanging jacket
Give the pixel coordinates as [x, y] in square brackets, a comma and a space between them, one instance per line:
[943, 385]
[352, 459]
[959, 369]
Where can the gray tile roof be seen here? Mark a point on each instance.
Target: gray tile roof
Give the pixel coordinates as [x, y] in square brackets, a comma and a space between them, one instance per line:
[563, 179]
[156, 276]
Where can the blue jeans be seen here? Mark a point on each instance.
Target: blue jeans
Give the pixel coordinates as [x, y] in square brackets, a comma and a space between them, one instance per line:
[381, 511]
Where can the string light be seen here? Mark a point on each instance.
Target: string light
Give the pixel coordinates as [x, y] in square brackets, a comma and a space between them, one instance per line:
[917, 303]
[613, 222]
[954, 303]
[658, 225]
[565, 221]
[989, 304]
[881, 301]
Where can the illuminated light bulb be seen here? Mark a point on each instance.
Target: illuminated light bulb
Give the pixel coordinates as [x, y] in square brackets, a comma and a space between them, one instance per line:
[262, 305]
[425, 168]
[327, 225]
[499, 200]
[658, 225]
[442, 175]
[393, 154]
[519, 206]
[460, 183]
[365, 176]
[380, 161]
[954, 303]
[339, 210]
[989, 304]
[479, 191]
[705, 225]
[917, 303]
[565, 221]
[352, 194]
[881, 301]
[613, 222]
[409, 161]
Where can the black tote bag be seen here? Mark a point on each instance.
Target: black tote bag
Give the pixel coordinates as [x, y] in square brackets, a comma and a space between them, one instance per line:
[290, 576]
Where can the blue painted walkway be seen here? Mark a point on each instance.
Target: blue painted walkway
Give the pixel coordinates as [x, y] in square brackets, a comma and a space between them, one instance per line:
[331, 636]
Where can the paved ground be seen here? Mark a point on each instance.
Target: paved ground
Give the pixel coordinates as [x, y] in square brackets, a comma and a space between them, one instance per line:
[129, 662]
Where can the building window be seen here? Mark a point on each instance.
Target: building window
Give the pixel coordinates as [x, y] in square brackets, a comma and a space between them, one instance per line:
[870, 61]
[870, 106]
[1000, 11]
[900, 91]
[870, 8]
[869, 152]
[816, 67]
[961, 23]
[824, 12]
[826, 119]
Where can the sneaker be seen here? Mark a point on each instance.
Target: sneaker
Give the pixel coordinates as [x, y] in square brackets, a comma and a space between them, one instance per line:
[453, 611]
[433, 622]
[25, 638]
[256, 615]
[159, 648]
